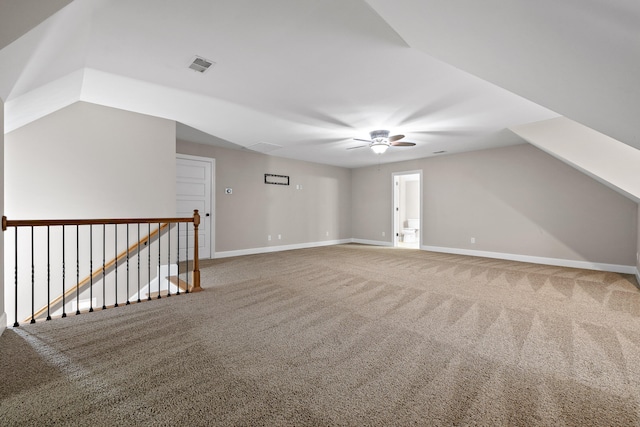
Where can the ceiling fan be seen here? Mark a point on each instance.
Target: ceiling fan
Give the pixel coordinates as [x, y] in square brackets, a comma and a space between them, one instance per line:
[380, 141]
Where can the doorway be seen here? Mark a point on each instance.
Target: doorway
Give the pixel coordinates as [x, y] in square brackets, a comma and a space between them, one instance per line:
[407, 209]
[194, 190]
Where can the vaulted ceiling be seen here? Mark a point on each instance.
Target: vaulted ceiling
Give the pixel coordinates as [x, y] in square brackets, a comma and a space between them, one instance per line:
[303, 78]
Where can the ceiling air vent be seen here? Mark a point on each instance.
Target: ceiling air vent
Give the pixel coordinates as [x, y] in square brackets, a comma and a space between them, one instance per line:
[200, 64]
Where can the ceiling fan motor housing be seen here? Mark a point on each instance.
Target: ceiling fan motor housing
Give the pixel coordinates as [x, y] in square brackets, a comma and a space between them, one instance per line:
[379, 135]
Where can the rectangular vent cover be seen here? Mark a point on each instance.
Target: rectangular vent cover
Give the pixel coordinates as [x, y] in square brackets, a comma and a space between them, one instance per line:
[200, 64]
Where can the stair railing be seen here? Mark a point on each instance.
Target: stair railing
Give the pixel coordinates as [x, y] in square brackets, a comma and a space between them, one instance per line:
[45, 279]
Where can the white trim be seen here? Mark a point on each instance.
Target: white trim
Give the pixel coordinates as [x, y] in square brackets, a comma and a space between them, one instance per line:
[268, 249]
[3, 322]
[372, 242]
[615, 268]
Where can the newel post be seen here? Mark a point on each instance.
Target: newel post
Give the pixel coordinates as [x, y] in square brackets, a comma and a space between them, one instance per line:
[196, 266]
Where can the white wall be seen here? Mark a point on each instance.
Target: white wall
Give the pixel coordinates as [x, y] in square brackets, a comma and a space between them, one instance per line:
[3, 315]
[412, 191]
[512, 200]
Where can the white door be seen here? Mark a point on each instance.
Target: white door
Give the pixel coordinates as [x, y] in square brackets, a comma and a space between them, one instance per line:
[407, 203]
[194, 179]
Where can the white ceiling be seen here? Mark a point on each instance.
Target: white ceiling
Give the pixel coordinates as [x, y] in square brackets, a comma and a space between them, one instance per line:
[311, 75]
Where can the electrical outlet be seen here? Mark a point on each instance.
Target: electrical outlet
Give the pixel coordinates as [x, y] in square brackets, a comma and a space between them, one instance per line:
[473, 240]
[269, 237]
[383, 234]
[327, 234]
[279, 236]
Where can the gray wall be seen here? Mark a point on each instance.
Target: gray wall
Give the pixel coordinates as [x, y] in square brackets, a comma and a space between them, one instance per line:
[91, 161]
[245, 218]
[515, 200]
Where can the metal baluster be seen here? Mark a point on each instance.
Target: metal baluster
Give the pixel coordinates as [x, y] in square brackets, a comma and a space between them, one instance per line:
[186, 246]
[64, 304]
[168, 259]
[159, 250]
[33, 282]
[15, 321]
[48, 274]
[138, 262]
[178, 256]
[90, 268]
[104, 273]
[128, 302]
[115, 270]
[77, 269]
[149, 261]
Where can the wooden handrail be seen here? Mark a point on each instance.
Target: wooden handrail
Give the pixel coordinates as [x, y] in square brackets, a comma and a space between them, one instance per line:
[64, 222]
[44, 222]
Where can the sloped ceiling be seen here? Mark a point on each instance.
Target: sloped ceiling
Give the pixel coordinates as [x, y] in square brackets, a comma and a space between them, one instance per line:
[19, 17]
[309, 76]
[580, 58]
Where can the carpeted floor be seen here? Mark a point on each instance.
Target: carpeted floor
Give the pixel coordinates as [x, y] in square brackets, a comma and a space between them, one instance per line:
[345, 335]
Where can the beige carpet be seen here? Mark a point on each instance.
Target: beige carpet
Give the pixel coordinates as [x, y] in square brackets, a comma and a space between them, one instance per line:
[346, 335]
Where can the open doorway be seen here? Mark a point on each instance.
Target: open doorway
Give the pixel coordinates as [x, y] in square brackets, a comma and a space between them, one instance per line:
[407, 209]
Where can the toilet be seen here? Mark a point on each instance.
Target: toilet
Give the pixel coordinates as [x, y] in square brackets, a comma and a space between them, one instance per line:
[410, 234]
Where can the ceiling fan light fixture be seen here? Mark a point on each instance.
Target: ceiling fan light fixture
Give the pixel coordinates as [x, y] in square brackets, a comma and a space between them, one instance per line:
[379, 147]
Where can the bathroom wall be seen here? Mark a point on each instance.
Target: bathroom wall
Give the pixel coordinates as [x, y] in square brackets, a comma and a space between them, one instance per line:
[412, 191]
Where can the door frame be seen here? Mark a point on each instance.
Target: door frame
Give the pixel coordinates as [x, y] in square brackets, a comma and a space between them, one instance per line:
[395, 198]
[212, 197]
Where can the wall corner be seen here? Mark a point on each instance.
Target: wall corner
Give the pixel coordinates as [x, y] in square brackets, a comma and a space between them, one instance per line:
[3, 314]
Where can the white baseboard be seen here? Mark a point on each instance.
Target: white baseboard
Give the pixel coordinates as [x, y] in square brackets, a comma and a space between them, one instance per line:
[268, 249]
[371, 242]
[3, 322]
[615, 268]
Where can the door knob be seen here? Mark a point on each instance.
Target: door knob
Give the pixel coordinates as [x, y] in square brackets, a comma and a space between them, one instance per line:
[206, 214]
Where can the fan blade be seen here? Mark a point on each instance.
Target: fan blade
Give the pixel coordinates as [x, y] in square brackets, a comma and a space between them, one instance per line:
[403, 144]
[363, 140]
[359, 146]
[395, 138]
